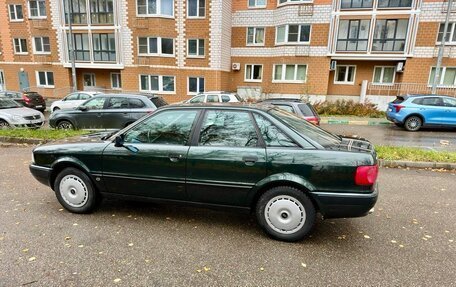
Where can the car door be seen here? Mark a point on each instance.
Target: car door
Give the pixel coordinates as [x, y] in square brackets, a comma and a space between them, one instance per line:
[432, 110]
[226, 158]
[116, 113]
[90, 116]
[450, 110]
[158, 168]
[69, 101]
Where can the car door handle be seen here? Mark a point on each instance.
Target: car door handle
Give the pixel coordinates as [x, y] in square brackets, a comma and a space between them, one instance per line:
[174, 157]
[250, 160]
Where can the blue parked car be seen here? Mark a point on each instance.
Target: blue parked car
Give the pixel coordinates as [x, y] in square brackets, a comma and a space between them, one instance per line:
[415, 111]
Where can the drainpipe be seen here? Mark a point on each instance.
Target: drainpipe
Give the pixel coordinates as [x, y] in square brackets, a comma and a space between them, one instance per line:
[73, 52]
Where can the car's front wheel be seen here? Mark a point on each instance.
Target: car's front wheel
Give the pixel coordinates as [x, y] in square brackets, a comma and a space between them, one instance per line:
[75, 191]
[4, 125]
[65, 125]
[413, 123]
[286, 213]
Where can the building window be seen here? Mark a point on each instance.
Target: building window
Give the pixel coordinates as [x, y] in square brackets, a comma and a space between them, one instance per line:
[162, 84]
[447, 77]
[41, 45]
[78, 12]
[450, 36]
[195, 85]
[20, 46]
[104, 47]
[290, 73]
[155, 46]
[102, 11]
[45, 79]
[345, 75]
[89, 79]
[353, 35]
[195, 48]
[253, 73]
[81, 47]
[390, 35]
[15, 13]
[37, 8]
[290, 34]
[355, 4]
[255, 36]
[384, 75]
[394, 3]
[116, 81]
[196, 8]
[257, 3]
[155, 7]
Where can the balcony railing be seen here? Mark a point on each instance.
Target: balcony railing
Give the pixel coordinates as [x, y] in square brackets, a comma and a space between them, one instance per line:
[407, 88]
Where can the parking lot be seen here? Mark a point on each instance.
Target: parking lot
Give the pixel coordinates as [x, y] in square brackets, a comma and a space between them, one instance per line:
[407, 241]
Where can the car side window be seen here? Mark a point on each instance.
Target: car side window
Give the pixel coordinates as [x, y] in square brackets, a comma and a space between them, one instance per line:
[84, 96]
[225, 99]
[272, 136]
[447, 102]
[212, 99]
[228, 128]
[285, 108]
[168, 127]
[306, 110]
[434, 101]
[136, 104]
[95, 104]
[198, 99]
[72, 97]
[418, 101]
[117, 103]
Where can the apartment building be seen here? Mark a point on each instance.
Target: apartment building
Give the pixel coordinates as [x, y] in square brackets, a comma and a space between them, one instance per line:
[176, 48]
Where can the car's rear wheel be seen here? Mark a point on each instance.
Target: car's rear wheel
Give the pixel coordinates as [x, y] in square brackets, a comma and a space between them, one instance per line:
[4, 125]
[413, 123]
[75, 191]
[65, 125]
[286, 213]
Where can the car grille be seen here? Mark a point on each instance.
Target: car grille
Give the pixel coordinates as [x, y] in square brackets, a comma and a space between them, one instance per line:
[29, 118]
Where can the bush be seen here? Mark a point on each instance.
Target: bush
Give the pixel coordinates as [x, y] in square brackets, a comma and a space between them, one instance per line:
[348, 108]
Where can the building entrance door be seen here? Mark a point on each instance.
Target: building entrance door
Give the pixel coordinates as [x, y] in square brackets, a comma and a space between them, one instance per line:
[23, 81]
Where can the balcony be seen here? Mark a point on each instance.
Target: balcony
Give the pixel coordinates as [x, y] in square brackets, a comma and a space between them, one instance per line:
[452, 7]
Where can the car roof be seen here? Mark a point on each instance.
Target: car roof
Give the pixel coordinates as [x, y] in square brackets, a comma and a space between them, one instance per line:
[121, 95]
[215, 92]
[282, 100]
[422, 95]
[227, 106]
[87, 92]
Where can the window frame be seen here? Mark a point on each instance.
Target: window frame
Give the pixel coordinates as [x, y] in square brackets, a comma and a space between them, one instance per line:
[442, 77]
[356, 8]
[198, 85]
[255, 29]
[119, 80]
[21, 52]
[451, 31]
[157, 15]
[198, 46]
[287, 29]
[357, 39]
[382, 74]
[79, 13]
[159, 48]
[38, 9]
[394, 39]
[256, 6]
[85, 50]
[15, 13]
[345, 82]
[395, 7]
[93, 79]
[292, 2]
[198, 10]
[252, 72]
[283, 80]
[160, 84]
[107, 51]
[35, 51]
[46, 85]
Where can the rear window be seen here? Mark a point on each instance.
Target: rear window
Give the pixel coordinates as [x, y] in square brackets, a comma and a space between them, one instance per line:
[306, 110]
[285, 107]
[398, 100]
[159, 102]
[136, 104]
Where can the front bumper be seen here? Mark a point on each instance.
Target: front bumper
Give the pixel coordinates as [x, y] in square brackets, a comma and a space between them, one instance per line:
[345, 205]
[40, 173]
[35, 124]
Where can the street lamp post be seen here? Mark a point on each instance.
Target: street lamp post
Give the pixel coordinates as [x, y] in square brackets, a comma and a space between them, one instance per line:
[71, 42]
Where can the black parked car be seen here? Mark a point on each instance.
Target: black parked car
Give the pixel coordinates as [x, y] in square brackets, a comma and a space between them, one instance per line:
[296, 106]
[105, 112]
[29, 99]
[257, 158]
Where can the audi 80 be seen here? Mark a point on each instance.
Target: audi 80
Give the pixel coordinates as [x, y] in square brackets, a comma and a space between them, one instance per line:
[257, 158]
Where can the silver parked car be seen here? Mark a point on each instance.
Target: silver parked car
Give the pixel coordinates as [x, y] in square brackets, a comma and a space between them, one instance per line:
[13, 114]
[72, 100]
[215, 97]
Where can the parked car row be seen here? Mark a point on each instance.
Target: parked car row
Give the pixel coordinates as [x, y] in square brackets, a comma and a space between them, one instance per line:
[28, 99]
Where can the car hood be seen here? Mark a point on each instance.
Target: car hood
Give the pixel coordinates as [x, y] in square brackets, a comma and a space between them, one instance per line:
[23, 112]
[98, 137]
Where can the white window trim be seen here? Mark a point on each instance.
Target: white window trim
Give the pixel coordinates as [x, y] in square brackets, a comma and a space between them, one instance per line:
[159, 48]
[256, 6]
[197, 86]
[94, 78]
[197, 17]
[14, 47]
[451, 27]
[153, 15]
[119, 78]
[346, 75]
[442, 75]
[30, 10]
[34, 46]
[253, 80]
[38, 79]
[290, 2]
[381, 76]
[283, 74]
[160, 84]
[15, 13]
[197, 49]
[286, 35]
[254, 36]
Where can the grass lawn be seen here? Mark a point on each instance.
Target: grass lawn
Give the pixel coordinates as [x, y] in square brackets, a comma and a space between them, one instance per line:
[414, 154]
[42, 134]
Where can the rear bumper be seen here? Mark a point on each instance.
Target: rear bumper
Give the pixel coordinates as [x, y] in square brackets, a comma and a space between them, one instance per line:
[344, 205]
[40, 173]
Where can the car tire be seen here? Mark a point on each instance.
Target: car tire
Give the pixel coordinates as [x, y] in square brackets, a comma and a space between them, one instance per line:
[413, 123]
[286, 213]
[4, 125]
[75, 191]
[65, 125]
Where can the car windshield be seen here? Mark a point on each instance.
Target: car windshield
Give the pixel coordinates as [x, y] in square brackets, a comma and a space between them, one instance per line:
[8, 104]
[303, 127]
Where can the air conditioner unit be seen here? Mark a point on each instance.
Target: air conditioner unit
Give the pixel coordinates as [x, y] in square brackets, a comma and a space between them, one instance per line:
[400, 67]
[236, 66]
[333, 65]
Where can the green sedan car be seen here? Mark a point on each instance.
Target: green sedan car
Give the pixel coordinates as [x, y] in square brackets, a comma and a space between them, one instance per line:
[256, 158]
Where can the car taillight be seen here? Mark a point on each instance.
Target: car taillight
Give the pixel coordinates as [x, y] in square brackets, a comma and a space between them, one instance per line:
[366, 175]
[398, 108]
[26, 99]
[313, 120]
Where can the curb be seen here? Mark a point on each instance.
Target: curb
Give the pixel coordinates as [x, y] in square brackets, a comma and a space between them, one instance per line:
[416, 164]
[14, 140]
[354, 122]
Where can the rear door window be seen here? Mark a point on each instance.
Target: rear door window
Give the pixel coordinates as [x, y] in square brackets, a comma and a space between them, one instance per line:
[72, 97]
[198, 99]
[432, 101]
[117, 103]
[272, 135]
[84, 96]
[212, 99]
[306, 110]
[136, 104]
[418, 101]
[159, 102]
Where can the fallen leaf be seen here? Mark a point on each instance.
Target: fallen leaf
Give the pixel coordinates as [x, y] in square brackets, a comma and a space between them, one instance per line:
[450, 240]
[367, 236]
[393, 241]
[31, 259]
[424, 238]
[206, 268]
[67, 238]
[61, 209]
[304, 265]
[428, 236]
[80, 246]
[198, 270]
[130, 244]
[25, 250]
[261, 269]
[75, 224]
[447, 231]
[401, 246]
[117, 280]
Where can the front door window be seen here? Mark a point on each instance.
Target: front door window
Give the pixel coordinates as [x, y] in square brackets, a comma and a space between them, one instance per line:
[95, 104]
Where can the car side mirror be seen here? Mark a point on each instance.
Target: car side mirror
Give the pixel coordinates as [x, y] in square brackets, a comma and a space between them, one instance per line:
[82, 108]
[119, 142]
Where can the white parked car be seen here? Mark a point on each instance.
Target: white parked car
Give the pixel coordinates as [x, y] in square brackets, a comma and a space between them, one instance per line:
[13, 114]
[214, 97]
[72, 100]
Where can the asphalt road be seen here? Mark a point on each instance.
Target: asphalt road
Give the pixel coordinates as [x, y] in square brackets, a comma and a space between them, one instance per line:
[432, 139]
[407, 241]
